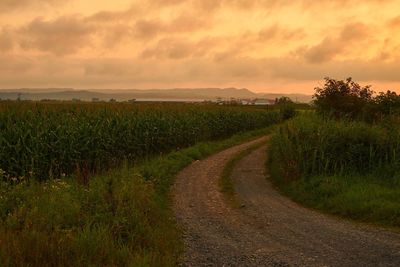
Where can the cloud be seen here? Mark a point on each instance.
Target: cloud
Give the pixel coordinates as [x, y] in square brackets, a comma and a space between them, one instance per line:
[166, 3]
[62, 36]
[329, 47]
[114, 35]
[150, 28]
[15, 66]
[276, 32]
[209, 41]
[6, 40]
[394, 22]
[266, 73]
[67, 35]
[115, 16]
[145, 29]
[13, 5]
[180, 48]
[209, 6]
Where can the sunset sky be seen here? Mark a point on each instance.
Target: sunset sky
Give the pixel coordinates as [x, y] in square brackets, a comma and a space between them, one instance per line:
[262, 45]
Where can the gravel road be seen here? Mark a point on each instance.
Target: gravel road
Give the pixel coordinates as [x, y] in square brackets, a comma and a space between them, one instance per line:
[269, 229]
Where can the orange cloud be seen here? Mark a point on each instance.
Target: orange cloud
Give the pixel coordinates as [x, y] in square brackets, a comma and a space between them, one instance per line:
[150, 28]
[62, 36]
[132, 43]
[278, 33]
[395, 22]
[332, 46]
[6, 40]
[12, 5]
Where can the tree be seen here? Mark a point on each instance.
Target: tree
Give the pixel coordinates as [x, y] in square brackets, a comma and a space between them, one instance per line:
[387, 103]
[283, 100]
[286, 107]
[343, 98]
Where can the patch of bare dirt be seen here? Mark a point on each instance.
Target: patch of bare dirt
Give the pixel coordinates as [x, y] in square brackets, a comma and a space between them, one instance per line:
[270, 229]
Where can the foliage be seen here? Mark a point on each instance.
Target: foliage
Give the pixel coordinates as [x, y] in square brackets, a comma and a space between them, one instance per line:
[311, 145]
[388, 103]
[114, 222]
[283, 100]
[286, 107]
[342, 99]
[349, 168]
[121, 218]
[347, 99]
[42, 141]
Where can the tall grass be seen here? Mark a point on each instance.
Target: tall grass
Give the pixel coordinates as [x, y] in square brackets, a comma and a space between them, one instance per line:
[41, 141]
[311, 145]
[348, 168]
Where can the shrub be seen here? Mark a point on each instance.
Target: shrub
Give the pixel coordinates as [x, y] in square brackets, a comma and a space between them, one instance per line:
[343, 99]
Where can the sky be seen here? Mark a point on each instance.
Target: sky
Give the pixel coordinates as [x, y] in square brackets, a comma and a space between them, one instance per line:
[281, 46]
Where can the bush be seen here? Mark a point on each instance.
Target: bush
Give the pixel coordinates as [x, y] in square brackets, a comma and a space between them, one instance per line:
[347, 99]
[286, 107]
[387, 104]
[343, 99]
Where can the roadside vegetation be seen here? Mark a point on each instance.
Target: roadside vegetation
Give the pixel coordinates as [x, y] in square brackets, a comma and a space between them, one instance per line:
[344, 158]
[88, 185]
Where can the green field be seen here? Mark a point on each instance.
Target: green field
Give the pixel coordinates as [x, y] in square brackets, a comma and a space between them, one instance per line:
[344, 158]
[42, 141]
[88, 184]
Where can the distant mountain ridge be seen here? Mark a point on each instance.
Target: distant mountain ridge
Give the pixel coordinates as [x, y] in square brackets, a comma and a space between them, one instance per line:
[183, 94]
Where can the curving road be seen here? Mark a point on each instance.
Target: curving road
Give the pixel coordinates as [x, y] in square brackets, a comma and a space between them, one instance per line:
[270, 229]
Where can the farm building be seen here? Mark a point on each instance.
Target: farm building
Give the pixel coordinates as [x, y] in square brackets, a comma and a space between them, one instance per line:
[263, 102]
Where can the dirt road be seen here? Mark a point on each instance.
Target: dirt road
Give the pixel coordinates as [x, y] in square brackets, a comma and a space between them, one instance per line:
[270, 229]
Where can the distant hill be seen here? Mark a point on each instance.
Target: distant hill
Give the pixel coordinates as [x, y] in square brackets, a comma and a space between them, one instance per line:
[178, 94]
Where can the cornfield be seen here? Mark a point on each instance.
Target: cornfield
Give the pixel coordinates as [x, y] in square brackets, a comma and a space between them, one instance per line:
[51, 140]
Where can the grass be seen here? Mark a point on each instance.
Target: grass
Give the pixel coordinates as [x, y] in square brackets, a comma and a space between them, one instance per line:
[350, 169]
[363, 198]
[120, 218]
[225, 183]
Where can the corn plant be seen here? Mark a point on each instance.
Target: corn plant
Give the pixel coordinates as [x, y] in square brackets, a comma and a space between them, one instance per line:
[53, 140]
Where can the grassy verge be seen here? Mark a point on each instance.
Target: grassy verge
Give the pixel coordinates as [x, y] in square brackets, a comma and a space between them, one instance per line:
[348, 169]
[122, 218]
[225, 183]
[364, 198]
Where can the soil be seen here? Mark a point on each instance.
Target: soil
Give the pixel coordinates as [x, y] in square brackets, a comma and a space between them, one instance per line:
[269, 229]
